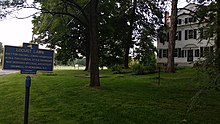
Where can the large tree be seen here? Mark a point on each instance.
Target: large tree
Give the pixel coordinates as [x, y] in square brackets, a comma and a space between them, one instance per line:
[76, 15]
[94, 64]
[128, 43]
[217, 42]
[172, 37]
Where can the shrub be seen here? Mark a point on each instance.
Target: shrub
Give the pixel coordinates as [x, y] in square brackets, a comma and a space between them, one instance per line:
[138, 69]
[151, 68]
[117, 69]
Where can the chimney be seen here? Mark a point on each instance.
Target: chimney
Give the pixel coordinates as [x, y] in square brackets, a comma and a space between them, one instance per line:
[166, 18]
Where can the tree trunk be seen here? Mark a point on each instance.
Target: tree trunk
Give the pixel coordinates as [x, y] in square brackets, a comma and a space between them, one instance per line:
[87, 51]
[130, 35]
[217, 42]
[94, 69]
[126, 56]
[172, 36]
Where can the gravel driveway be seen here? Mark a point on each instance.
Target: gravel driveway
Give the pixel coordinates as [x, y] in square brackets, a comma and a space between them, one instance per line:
[3, 72]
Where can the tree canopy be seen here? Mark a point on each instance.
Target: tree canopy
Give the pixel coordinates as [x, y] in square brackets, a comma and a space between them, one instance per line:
[116, 28]
[114, 18]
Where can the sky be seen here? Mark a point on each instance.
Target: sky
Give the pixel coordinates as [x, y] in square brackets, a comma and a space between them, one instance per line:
[16, 31]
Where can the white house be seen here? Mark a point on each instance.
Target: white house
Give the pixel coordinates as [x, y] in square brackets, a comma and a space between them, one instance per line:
[188, 46]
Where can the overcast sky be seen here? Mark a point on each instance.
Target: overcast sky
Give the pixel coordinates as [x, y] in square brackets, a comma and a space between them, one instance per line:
[16, 31]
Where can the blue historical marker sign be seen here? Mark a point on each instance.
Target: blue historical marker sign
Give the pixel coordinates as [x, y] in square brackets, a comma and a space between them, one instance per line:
[28, 58]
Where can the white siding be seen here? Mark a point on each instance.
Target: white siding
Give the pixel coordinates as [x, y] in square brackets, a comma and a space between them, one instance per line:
[189, 44]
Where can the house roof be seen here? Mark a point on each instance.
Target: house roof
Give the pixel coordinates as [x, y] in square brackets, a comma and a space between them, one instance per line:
[187, 8]
[189, 5]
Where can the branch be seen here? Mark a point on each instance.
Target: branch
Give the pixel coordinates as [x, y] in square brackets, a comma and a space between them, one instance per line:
[194, 14]
[79, 8]
[26, 16]
[58, 13]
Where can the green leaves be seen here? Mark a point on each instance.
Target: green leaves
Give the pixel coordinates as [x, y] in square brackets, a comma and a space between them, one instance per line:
[64, 23]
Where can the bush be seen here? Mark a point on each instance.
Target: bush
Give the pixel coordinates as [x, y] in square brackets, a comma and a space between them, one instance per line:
[117, 69]
[151, 68]
[138, 69]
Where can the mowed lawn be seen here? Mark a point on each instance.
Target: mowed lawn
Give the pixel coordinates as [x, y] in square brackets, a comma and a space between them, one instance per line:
[64, 97]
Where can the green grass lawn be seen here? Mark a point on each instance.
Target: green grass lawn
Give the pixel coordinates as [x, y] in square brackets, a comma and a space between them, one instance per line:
[65, 98]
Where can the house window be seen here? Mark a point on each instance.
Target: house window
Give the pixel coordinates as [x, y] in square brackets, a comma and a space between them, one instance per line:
[178, 35]
[206, 49]
[201, 33]
[190, 34]
[165, 53]
[175, 52]
[190, 20]
[197, 53]
[204, 34]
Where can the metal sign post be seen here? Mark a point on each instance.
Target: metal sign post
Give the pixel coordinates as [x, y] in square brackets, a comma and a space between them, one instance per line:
[27, 93]
[159, 76]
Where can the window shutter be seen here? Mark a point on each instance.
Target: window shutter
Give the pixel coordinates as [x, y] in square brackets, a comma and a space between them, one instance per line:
[186, 20]
[160, 53]
[201, 51]
[179, 52]
[167, 53]
[195, 33]
[179, 35]
[182, 53]
[194, 19]
[201, 33]
[197, 53]
[186, 34]
[179, 21]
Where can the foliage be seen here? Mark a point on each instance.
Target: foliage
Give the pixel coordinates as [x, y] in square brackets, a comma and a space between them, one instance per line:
[80, 62]
[1, 48]
[117, 69]
[138, 69]
[146, 51]
[208, 66]
[207, 72]
[8, 7]
[207, 20]
[114, 17]
[117, 18]
[62, 25]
